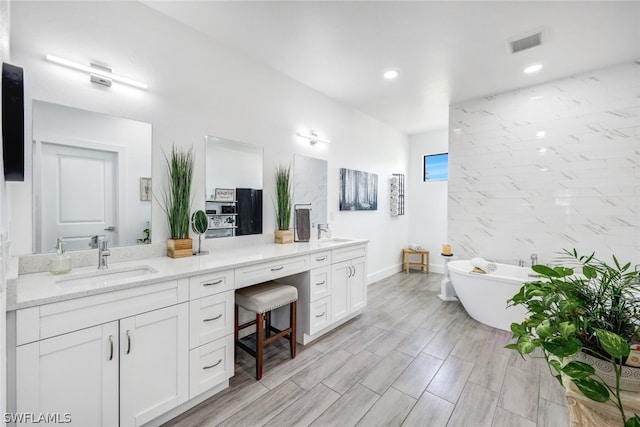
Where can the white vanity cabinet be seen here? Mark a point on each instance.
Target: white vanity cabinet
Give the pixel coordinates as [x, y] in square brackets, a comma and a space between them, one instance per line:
[124, 372]
[331, 292]
[75, 374]
[348, 282]
[211, 318]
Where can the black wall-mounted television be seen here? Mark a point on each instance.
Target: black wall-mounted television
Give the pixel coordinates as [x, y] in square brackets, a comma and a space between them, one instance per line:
[13, 122]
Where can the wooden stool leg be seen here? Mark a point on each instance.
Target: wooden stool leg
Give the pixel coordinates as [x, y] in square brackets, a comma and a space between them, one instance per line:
[292, 324]
[235, 334]
[267, 323]
[259, 345]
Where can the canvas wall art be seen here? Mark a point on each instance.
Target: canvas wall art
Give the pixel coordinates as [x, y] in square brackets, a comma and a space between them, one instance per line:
[358, 190]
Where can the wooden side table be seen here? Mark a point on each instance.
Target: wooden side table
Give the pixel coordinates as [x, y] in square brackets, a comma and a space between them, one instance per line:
[406, 260]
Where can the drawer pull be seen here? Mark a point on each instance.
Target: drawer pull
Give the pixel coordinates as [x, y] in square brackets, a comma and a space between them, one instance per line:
[321, 283]
[278, 268]
[217, 282]
[110, 347]
[214, 365]
[212, 318]
[128, 343]
[321, 315]
[321, 259]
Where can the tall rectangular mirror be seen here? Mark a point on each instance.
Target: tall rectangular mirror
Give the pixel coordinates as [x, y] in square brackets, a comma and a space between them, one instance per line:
[310, 187]
[233, 185]
[91, 177]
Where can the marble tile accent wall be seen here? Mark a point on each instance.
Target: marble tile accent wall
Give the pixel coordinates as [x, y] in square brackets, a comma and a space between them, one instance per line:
[548, 167]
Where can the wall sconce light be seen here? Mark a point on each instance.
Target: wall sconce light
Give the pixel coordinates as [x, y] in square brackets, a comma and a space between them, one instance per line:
[313, 137]
[99, 74]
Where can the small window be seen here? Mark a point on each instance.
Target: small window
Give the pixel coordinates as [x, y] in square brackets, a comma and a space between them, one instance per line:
[436, 167]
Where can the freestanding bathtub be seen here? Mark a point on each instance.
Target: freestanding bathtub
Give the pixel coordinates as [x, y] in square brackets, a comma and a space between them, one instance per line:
[484, 296]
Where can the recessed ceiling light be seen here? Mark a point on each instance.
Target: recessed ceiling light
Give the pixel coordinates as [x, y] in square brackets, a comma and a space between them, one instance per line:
[540, 134]
[391, 74]
[533, 68]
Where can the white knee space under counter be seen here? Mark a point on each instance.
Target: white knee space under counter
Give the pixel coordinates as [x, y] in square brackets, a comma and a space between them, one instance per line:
[154, 337]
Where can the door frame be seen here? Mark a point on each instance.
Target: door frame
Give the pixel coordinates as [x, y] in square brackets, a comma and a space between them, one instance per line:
[121, 156]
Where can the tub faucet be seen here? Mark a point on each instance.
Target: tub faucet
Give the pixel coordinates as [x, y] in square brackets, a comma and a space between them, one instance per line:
[534, 259]
[103, 253]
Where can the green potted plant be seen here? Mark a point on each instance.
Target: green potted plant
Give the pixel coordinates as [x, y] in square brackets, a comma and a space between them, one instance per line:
[177, 201]
[283, 205]
[586, 311]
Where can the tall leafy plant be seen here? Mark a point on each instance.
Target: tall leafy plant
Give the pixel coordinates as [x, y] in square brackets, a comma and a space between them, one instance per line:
[177, 198]
[283, 197]
[588, 306]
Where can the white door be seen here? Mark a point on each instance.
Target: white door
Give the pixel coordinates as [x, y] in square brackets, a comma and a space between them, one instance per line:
[82, 199]
[74, 375]
[154, 364]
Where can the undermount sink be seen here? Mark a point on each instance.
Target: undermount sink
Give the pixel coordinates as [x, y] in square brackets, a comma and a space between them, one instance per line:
[101, 278]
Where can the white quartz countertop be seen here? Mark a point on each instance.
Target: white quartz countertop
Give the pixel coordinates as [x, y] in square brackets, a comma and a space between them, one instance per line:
[35, 289]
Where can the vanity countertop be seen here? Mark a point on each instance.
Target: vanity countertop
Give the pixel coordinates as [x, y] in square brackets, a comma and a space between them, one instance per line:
[35, 289]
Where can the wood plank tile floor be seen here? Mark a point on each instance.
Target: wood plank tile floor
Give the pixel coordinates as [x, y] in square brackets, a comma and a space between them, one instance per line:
[409, 359]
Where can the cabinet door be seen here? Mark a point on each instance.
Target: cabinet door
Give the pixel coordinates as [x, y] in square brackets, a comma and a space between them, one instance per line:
[74, 374]
[357, 285]
[340, 290]
[154, 364]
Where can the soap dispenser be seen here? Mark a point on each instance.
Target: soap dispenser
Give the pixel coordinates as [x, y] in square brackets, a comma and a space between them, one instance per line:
[61, 262]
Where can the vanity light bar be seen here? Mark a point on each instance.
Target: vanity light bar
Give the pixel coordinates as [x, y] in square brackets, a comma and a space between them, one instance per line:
[96, 71]
[313, 137]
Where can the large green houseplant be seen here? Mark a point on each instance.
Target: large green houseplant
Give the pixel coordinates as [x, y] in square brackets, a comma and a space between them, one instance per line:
[283, 205]
[177, 201]
[588, 306]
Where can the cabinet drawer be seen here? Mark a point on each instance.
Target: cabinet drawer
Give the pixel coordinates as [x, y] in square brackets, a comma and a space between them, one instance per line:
[319, 315]
[210, 318]
[45, 321]
[209, 284]
[265, 271]
[210, 365]
[319, 283]
[342, 254]
[320, 259]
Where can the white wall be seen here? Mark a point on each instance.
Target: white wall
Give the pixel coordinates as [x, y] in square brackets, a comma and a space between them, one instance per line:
[514, 190]
[198, 88]
[5, 251]
[427, 201]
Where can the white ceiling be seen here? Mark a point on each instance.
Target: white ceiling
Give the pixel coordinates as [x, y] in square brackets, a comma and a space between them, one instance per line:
[446, 52]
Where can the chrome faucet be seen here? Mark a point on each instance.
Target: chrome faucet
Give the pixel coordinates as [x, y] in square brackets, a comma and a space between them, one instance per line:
[520, 262]
[321, 228]
[103, 253]
[534, 259]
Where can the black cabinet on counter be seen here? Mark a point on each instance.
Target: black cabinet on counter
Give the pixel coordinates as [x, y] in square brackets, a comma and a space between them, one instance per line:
[249, 219]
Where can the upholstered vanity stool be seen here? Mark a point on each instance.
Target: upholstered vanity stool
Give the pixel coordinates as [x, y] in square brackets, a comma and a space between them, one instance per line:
[261, 299]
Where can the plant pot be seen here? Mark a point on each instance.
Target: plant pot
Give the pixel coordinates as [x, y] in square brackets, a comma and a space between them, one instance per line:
[629, 376]
[179, 248]
[283, 236]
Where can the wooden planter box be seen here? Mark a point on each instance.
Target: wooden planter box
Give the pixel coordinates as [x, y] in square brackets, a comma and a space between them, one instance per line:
[283, 236]
[179, 248]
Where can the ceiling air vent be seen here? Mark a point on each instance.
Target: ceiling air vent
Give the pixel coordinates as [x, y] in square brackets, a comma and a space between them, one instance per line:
[524, 42]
